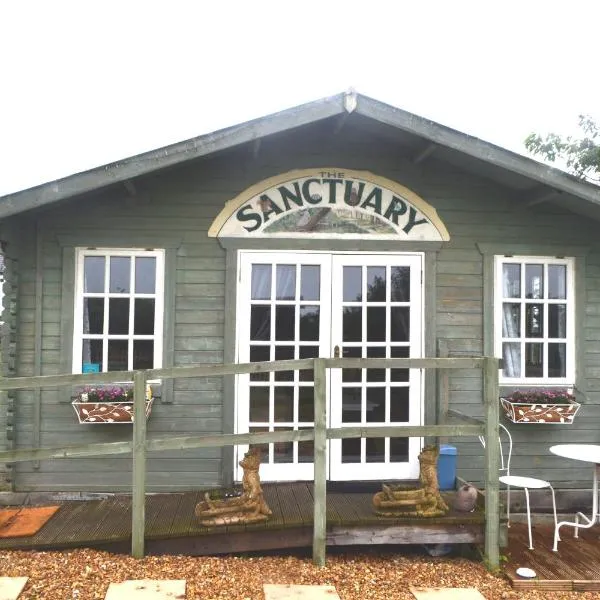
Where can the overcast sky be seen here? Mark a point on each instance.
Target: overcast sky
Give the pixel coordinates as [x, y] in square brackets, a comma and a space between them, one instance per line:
[86, 83]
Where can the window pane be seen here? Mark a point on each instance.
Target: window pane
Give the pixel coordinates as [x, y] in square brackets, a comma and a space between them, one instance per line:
[285, 321]
[511, 320]
[557, 360]
[376, 374]
[261, 282]
[557, 281]
[511, 356]
[534, 281]
[93, 315]
[117, 355]
[399, 405]
[557, 320]
[260, 323]
[306, 450]
[534, 360]
[284, 353]
[93, 274]
[143, 354]
[120, 274]
[118, 316]
[351, 374]
[351, 450]
[399, 352]
[143, 321]
[534, 320]
[284, 404]
[264, 448]
[145, 275]
[309, 323]
[283, 452]
[511, 281]
[352, 284]
[400, 323]
[286, 282]
[306, 404]
[351, 405]
[375, 450]
[400, 279]
[375, 405]
[259, 404]
[376, 323]
[308, 352]
[310, 282]
[375, 284]
[398, 449]
[92, 354]
[352, 327]
[259, 354]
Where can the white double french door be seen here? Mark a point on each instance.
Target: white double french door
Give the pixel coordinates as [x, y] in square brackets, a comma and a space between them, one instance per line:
[307, 305]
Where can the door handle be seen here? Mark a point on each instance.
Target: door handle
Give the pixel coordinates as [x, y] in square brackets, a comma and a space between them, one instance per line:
[336, 352]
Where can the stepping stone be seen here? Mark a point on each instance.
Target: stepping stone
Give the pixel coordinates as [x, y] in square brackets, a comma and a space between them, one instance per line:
[147, 589]
[11, 587]
[300, 592]
[424, 593]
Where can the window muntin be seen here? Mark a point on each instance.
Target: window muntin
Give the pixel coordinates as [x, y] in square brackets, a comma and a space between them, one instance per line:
[534, 320]
[118, 310]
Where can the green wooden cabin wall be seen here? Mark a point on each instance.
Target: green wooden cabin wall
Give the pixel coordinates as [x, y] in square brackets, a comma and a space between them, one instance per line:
[177, 207]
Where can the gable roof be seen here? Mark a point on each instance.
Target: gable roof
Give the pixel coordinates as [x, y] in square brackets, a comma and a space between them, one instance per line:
[341, 104]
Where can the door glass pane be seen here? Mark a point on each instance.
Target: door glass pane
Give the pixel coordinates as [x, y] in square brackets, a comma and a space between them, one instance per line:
[557, 282]
[259, 404]
[400, 282]
[557, 320]
[264, 448]
[376, 323]
[283, 452]
[511, 320]
[284, 353]
[351, 450]
[352, 324]
[511, 356]
[285, 323]
[306, 404]
[260, 354]
[399, 352]
[376, 374]
[557, 360]
[400, 323]
[145, 275]
[352, 284]
[143, 321]
[375, 450]
[284, 404]
[376, 284]
[93, 274]
[143, 354]
[534, 281]
[511, 281]
[310, 282]
[306, 450]
[351, 405]
[120, 274]
[398, 449]
[261, 282]
[286, 282]
[534, 360]
[260, 322]
[117, 355]
[92, 353]
[93, 315]
[351, 374]
[307, 352]
[118, 316]
[399, 404]
[309, 323]
[534, 320]
[375, 412]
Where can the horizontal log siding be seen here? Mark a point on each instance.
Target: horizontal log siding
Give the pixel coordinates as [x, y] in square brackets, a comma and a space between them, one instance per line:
[184, 201]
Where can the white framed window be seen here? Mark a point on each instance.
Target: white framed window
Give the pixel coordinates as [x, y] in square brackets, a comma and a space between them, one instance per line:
[119, 310]
[534, 319]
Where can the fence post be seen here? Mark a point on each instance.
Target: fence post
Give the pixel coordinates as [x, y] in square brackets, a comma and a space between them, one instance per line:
[492, 462]
[138, 497]
[320, 459]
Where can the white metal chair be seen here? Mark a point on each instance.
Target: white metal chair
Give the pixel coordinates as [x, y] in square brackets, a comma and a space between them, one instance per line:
[525, 483]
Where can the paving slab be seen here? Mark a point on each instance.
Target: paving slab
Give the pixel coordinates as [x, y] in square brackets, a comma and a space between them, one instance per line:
[147, 589]
[300, 592]
[427, 593]
[11, 587]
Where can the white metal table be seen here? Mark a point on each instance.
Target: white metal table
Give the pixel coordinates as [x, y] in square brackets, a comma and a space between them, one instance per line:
[587, 453]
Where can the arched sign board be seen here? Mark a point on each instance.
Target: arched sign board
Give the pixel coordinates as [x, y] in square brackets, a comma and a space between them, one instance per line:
[329, 203]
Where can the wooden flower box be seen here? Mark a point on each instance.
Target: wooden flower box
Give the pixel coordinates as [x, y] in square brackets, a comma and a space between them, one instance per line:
[107, 412]
[529, 412]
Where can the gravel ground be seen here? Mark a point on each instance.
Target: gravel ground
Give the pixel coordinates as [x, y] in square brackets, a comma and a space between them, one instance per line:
[370, 575]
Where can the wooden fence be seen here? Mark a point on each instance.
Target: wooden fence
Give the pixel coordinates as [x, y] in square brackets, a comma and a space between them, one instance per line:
[320, 434]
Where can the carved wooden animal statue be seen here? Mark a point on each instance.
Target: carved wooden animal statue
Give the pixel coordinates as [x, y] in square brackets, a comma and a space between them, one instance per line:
[250, 507]
[424, 501]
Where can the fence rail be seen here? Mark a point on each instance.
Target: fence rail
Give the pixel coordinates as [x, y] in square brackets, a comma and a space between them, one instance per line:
[140, 445]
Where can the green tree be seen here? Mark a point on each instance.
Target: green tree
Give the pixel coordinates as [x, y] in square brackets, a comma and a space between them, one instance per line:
[581, 155]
